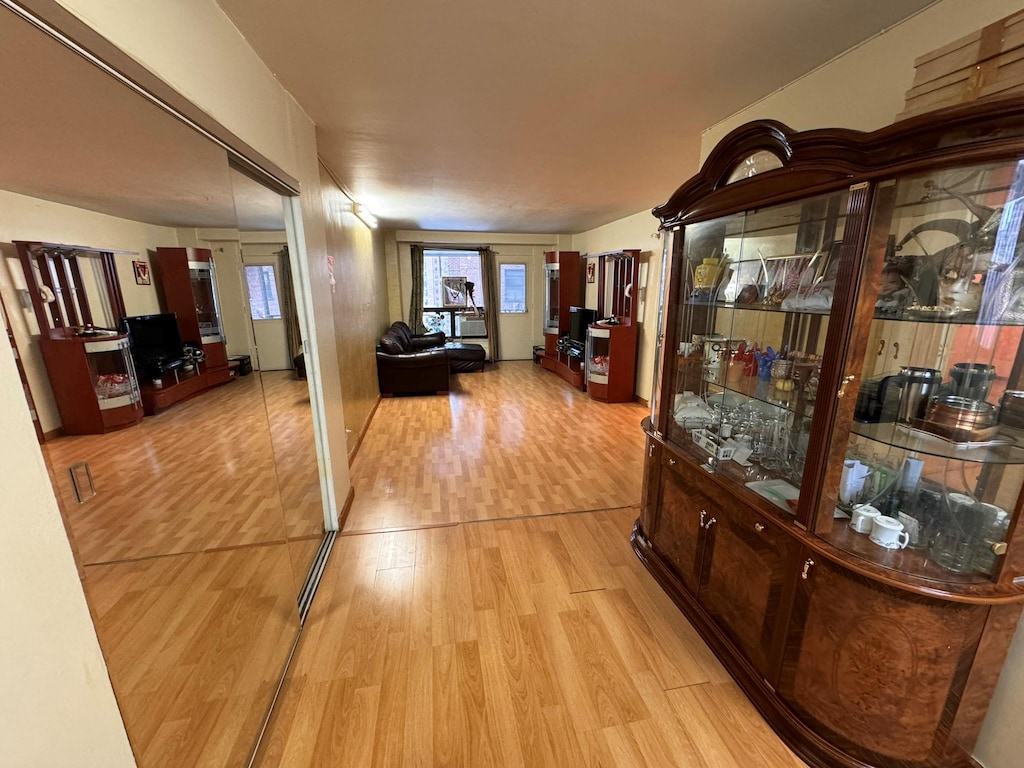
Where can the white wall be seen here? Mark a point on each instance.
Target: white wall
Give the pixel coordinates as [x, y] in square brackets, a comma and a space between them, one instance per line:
[58, 705]
[636, 231]
[28, 218]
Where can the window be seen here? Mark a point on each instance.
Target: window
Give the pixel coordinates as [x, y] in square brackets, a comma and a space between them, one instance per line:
[440, 293]
[513, 288]
[263, 300]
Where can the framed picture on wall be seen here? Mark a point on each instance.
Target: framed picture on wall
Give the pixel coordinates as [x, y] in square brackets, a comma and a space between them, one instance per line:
[453, 290]
[591, 272]
[142, 276]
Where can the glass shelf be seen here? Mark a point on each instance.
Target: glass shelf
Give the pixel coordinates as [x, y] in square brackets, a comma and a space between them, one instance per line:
[909, 439]
[966, 319]
[757, 308]
[762, 391]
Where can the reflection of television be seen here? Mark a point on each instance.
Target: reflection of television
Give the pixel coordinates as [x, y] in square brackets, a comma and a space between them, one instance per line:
[579, 319]
[155, 342]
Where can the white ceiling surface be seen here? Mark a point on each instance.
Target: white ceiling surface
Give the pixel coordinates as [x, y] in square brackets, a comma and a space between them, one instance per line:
[535, 115]
[72, 134]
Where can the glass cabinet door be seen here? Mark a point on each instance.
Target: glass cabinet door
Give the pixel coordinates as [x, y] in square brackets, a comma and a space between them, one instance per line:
[598, 355]
[752, 297]
[935, 462]
[112, 373]
[204, 293]
[551, 302]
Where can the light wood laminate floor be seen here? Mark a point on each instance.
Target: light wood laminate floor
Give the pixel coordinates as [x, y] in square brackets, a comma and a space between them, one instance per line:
[497, 633]
[514, 440]
[529, 642]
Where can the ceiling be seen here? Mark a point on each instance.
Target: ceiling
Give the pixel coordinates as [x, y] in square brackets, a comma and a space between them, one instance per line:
[81, 138]
[546, 116]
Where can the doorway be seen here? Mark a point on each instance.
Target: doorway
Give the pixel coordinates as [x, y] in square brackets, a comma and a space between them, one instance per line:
[268, 310]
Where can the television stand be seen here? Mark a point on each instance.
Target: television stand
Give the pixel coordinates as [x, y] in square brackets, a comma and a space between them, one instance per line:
[564, 357]
[180, 385]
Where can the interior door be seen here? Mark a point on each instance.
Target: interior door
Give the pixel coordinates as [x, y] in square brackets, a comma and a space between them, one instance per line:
[516, 317]
[263, 280]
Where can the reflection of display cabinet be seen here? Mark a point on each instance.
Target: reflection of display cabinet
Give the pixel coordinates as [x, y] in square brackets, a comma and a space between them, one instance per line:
[188, 282]
[93, 380]
[839, 417]
[563, 289]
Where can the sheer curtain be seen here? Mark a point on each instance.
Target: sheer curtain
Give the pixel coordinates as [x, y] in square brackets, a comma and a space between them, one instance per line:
[416, 298]
[489, 269]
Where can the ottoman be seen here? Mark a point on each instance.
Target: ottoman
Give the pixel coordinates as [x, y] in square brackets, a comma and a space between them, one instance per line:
[464, 358]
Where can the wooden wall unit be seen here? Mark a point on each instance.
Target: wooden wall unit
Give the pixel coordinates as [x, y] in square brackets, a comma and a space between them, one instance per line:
[557, 357]
[858, 655]
[612, 346]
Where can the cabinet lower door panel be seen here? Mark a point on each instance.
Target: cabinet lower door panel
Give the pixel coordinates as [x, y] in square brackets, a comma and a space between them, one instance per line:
[875, 670]
[744, 581]
[677, 529]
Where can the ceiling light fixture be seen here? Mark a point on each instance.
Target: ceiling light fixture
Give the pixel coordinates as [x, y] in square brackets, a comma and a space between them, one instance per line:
[364, 214]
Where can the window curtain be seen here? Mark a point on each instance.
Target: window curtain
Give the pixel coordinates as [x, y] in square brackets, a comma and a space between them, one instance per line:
[489, 268]
[416, 298]
[293, 335]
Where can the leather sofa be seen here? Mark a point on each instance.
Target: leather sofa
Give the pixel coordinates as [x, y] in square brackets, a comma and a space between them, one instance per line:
[409, 362]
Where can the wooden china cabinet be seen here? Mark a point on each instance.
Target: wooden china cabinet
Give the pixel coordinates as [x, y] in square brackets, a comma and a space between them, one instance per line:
[835, 452]
[610, 357]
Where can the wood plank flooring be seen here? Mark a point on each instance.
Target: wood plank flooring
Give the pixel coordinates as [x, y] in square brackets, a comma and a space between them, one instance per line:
[530, 642]
[195, 645]
[511, 441]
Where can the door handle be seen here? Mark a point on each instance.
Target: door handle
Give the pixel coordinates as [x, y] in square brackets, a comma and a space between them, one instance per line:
[712, 521]
[759, 527]
[671, 462]
[808, 564]
[703, 517]
[842, 387]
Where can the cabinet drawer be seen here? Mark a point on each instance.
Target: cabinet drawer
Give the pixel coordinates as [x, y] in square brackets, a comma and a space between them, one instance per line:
[747, 577]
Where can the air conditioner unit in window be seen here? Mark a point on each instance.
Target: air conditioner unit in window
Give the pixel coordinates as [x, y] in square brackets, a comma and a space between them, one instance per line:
[472, 327]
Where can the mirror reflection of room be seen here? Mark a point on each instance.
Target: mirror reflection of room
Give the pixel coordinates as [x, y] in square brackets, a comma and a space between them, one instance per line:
[186, 475]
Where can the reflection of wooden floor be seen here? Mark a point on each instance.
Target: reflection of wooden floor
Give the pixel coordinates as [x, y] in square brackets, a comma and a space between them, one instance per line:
[507, 442]
[529, 642]
[291, 431]
[195, 645]
[200, 475]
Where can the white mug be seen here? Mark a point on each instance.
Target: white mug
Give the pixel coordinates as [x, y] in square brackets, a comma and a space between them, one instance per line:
[888, 532]
[862, 517]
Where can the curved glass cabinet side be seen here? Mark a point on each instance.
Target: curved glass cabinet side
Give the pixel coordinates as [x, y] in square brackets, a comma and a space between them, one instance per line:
[937, 441]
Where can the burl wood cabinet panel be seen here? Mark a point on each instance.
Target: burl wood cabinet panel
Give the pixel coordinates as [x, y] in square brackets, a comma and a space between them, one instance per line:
[678, 525]
[876, 670]
[747, 572]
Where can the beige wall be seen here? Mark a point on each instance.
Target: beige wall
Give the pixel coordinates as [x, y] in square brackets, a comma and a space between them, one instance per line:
[28, 218]
[636, 231]
[360, 305]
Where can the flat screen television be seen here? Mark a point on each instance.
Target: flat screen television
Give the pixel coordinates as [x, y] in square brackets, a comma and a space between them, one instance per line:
[579, 319]
[155, 341]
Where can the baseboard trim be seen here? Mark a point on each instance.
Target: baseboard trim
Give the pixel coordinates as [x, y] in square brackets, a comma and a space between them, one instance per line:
[346, 508]
[53, 434]
[362, 432]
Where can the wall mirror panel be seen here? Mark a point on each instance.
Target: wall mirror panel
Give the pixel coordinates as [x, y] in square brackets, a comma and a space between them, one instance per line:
[194, 525]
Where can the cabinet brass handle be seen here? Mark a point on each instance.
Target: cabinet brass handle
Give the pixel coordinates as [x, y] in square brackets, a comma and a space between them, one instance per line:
[650, 451]
[895, 350]
[808, 563]
[999, 548]
[881, 347]
[711, 522]
[672, 462]
[759, 527]
[842, 388]
[703, 517]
